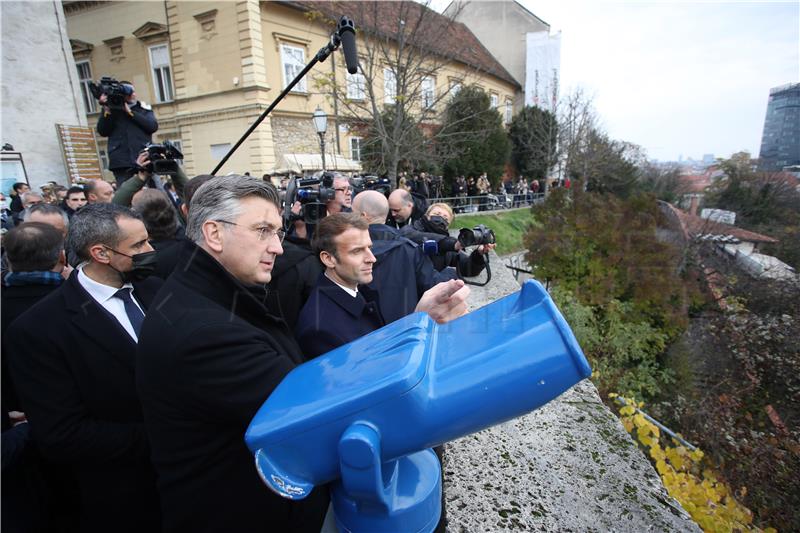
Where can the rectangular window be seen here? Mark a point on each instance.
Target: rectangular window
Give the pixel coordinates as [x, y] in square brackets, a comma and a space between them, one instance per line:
[356, 88]
[493, 101]
[162, 73]
[355, 148]
[85, 77]
[509, 112]
[428, 92]
[389, 86]
[218, 151]
[455, 87]
[293, 59]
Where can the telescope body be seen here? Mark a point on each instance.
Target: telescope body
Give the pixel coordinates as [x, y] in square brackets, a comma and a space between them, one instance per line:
[409, 386]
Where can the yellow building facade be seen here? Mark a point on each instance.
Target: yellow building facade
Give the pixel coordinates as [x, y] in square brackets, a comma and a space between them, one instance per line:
[209, 69]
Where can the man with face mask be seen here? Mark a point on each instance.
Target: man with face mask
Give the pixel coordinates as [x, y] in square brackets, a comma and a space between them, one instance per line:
[72, 357]
[129, 129]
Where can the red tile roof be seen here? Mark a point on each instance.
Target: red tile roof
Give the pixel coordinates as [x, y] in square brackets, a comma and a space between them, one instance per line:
[430, 30]
[692, 183]
[694, 226]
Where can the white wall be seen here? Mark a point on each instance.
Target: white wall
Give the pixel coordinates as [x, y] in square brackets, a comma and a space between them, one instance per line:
[39, 86]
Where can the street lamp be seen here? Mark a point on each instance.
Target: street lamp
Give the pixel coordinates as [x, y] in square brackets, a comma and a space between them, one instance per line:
[321, 124]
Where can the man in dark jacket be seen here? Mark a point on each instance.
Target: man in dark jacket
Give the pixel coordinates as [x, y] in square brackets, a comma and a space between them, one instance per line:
[342, 306]
[210, 358]
[72, 358]
[129, 129]
[402, 272]
[405, 208]
[35, 253]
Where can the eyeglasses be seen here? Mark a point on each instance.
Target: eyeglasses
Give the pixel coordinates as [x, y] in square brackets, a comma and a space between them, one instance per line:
[343, 189]
[264, 232]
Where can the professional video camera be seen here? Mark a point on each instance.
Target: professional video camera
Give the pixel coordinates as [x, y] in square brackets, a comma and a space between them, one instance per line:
[312, 193]
[115, 92]
[163, 158]
[476, 236]
[371, 183]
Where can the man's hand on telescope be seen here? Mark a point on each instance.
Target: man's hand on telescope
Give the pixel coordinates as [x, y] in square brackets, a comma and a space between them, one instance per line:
[445, 301]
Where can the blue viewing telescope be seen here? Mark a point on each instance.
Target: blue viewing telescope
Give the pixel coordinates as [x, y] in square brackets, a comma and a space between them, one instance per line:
[365, 415]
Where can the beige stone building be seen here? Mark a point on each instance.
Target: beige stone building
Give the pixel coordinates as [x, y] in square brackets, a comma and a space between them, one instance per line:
[209, 69]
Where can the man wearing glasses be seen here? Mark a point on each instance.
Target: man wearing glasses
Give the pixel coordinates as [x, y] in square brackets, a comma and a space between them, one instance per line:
[344, 196]
[207, 360]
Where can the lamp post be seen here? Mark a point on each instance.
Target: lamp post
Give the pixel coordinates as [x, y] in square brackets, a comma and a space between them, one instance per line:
[321, 124]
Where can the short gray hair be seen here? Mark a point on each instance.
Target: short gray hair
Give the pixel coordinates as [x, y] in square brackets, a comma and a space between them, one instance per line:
[44, 209]
[26, 197]
[96, 224]
[219, 199]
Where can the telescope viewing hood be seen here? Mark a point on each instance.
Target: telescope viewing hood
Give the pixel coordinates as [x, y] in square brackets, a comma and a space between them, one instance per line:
[354, 412]
[419, 384]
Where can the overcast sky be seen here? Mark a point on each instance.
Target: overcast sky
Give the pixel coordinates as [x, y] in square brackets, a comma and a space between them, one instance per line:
[678, 78]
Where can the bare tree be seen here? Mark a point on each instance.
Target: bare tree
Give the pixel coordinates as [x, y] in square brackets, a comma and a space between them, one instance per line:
[402, 47]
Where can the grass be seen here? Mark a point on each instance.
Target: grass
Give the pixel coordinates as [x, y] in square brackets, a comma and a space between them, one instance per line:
[508, 226]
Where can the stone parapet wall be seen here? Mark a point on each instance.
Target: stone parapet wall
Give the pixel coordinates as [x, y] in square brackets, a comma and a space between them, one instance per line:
[569, 466]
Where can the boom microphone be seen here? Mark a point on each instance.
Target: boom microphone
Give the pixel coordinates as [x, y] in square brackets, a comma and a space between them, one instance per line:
[347, 33]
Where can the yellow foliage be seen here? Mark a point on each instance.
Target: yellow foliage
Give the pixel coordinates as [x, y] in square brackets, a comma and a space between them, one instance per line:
[709, 502]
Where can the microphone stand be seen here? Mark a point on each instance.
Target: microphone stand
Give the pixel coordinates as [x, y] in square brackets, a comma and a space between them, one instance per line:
[321, 56]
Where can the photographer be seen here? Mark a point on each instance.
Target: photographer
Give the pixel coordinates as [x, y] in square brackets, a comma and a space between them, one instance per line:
[142, 177]
[434, 227]
[128, 126]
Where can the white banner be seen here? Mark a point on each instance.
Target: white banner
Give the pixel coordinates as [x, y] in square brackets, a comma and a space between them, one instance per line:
[542, 69]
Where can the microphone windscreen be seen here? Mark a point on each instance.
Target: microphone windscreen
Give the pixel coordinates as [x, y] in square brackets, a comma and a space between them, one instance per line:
[347, 33]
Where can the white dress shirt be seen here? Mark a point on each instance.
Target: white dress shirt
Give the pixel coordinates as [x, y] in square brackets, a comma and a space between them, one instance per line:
[348, 290]
[104, 295]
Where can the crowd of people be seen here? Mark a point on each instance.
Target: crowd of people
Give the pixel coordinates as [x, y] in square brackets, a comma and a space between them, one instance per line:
[145, 323]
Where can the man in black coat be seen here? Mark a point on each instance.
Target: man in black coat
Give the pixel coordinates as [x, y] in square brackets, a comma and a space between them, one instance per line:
[209, 358]
[72, 357]
[342, 307]
[402, 272]
[405, 208]
[129, 129]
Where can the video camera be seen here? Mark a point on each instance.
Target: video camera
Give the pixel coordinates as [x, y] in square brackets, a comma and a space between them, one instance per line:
[312, 193]
[371, 183]
[163, 158]
[116, 92]
[476, 236]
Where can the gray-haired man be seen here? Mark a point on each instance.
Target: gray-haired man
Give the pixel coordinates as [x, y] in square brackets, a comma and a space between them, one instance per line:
[209, 357]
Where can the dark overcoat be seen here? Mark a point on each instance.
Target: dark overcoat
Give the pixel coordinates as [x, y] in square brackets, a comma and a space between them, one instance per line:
[74, 368]
[127, 134]
[402, 272]
[209, 356]
[331, 317]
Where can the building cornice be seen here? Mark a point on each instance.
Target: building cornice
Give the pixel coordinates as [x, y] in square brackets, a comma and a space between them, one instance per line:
[71, 8]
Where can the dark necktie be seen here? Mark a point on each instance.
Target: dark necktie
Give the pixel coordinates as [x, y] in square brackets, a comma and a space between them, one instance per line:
[135, 314]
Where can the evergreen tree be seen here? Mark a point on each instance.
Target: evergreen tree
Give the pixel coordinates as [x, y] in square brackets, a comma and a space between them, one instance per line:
[474, 137]
[534, 141]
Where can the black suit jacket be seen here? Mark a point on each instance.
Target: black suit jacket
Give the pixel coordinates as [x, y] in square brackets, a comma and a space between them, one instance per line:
[74, 368]
[209, 356]
[331, 317]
